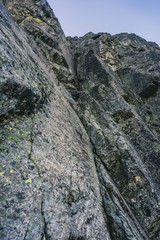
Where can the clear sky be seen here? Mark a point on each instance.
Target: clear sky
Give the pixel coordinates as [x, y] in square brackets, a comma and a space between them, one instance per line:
[78, 17]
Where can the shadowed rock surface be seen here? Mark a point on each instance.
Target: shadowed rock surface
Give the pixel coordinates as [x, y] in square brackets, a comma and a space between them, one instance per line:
[79, 131]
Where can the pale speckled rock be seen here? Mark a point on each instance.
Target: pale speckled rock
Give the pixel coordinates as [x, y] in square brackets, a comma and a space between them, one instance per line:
[49, 184]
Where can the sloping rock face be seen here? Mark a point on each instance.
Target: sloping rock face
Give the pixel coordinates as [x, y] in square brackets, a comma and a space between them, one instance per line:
[79, 131]
[119, 100]
[49, 184]
[46, 36]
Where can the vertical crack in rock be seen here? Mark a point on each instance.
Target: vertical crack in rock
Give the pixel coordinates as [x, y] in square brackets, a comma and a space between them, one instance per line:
[25, 237]
[44, 221]
[111, 187]
[32, 139]
[30, 155]
[44, 232]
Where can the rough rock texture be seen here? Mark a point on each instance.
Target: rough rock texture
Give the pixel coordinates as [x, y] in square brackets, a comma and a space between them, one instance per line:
[46, 36]
[120, 112]
[79, 131]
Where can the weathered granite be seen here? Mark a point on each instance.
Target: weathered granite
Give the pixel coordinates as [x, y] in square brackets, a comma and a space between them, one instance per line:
[79, 131]
[49, 184]
[116, 92]
[46, 36]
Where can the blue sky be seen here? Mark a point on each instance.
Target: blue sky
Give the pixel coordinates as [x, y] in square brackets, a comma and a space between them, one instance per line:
[78, 17]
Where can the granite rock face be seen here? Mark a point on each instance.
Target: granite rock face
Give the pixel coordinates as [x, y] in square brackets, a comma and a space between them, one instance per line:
[45, 36]
[79, 131]
[120, 111]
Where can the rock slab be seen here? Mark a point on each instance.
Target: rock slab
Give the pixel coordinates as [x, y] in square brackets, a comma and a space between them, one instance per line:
[79, 131]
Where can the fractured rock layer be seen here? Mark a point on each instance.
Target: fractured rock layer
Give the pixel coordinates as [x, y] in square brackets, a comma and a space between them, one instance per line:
[79, 131]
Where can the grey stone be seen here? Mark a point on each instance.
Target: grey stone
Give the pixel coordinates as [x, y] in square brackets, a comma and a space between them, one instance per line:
[79, 131]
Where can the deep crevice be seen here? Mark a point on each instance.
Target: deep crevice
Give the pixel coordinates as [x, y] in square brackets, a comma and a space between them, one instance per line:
[45, 234]
[26, 232]
[120, 198]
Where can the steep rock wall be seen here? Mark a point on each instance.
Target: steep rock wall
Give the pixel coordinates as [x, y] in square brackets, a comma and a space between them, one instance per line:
[123, 123]
[119, 99]
[46, 36]
[84, 166]
[49, 185]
